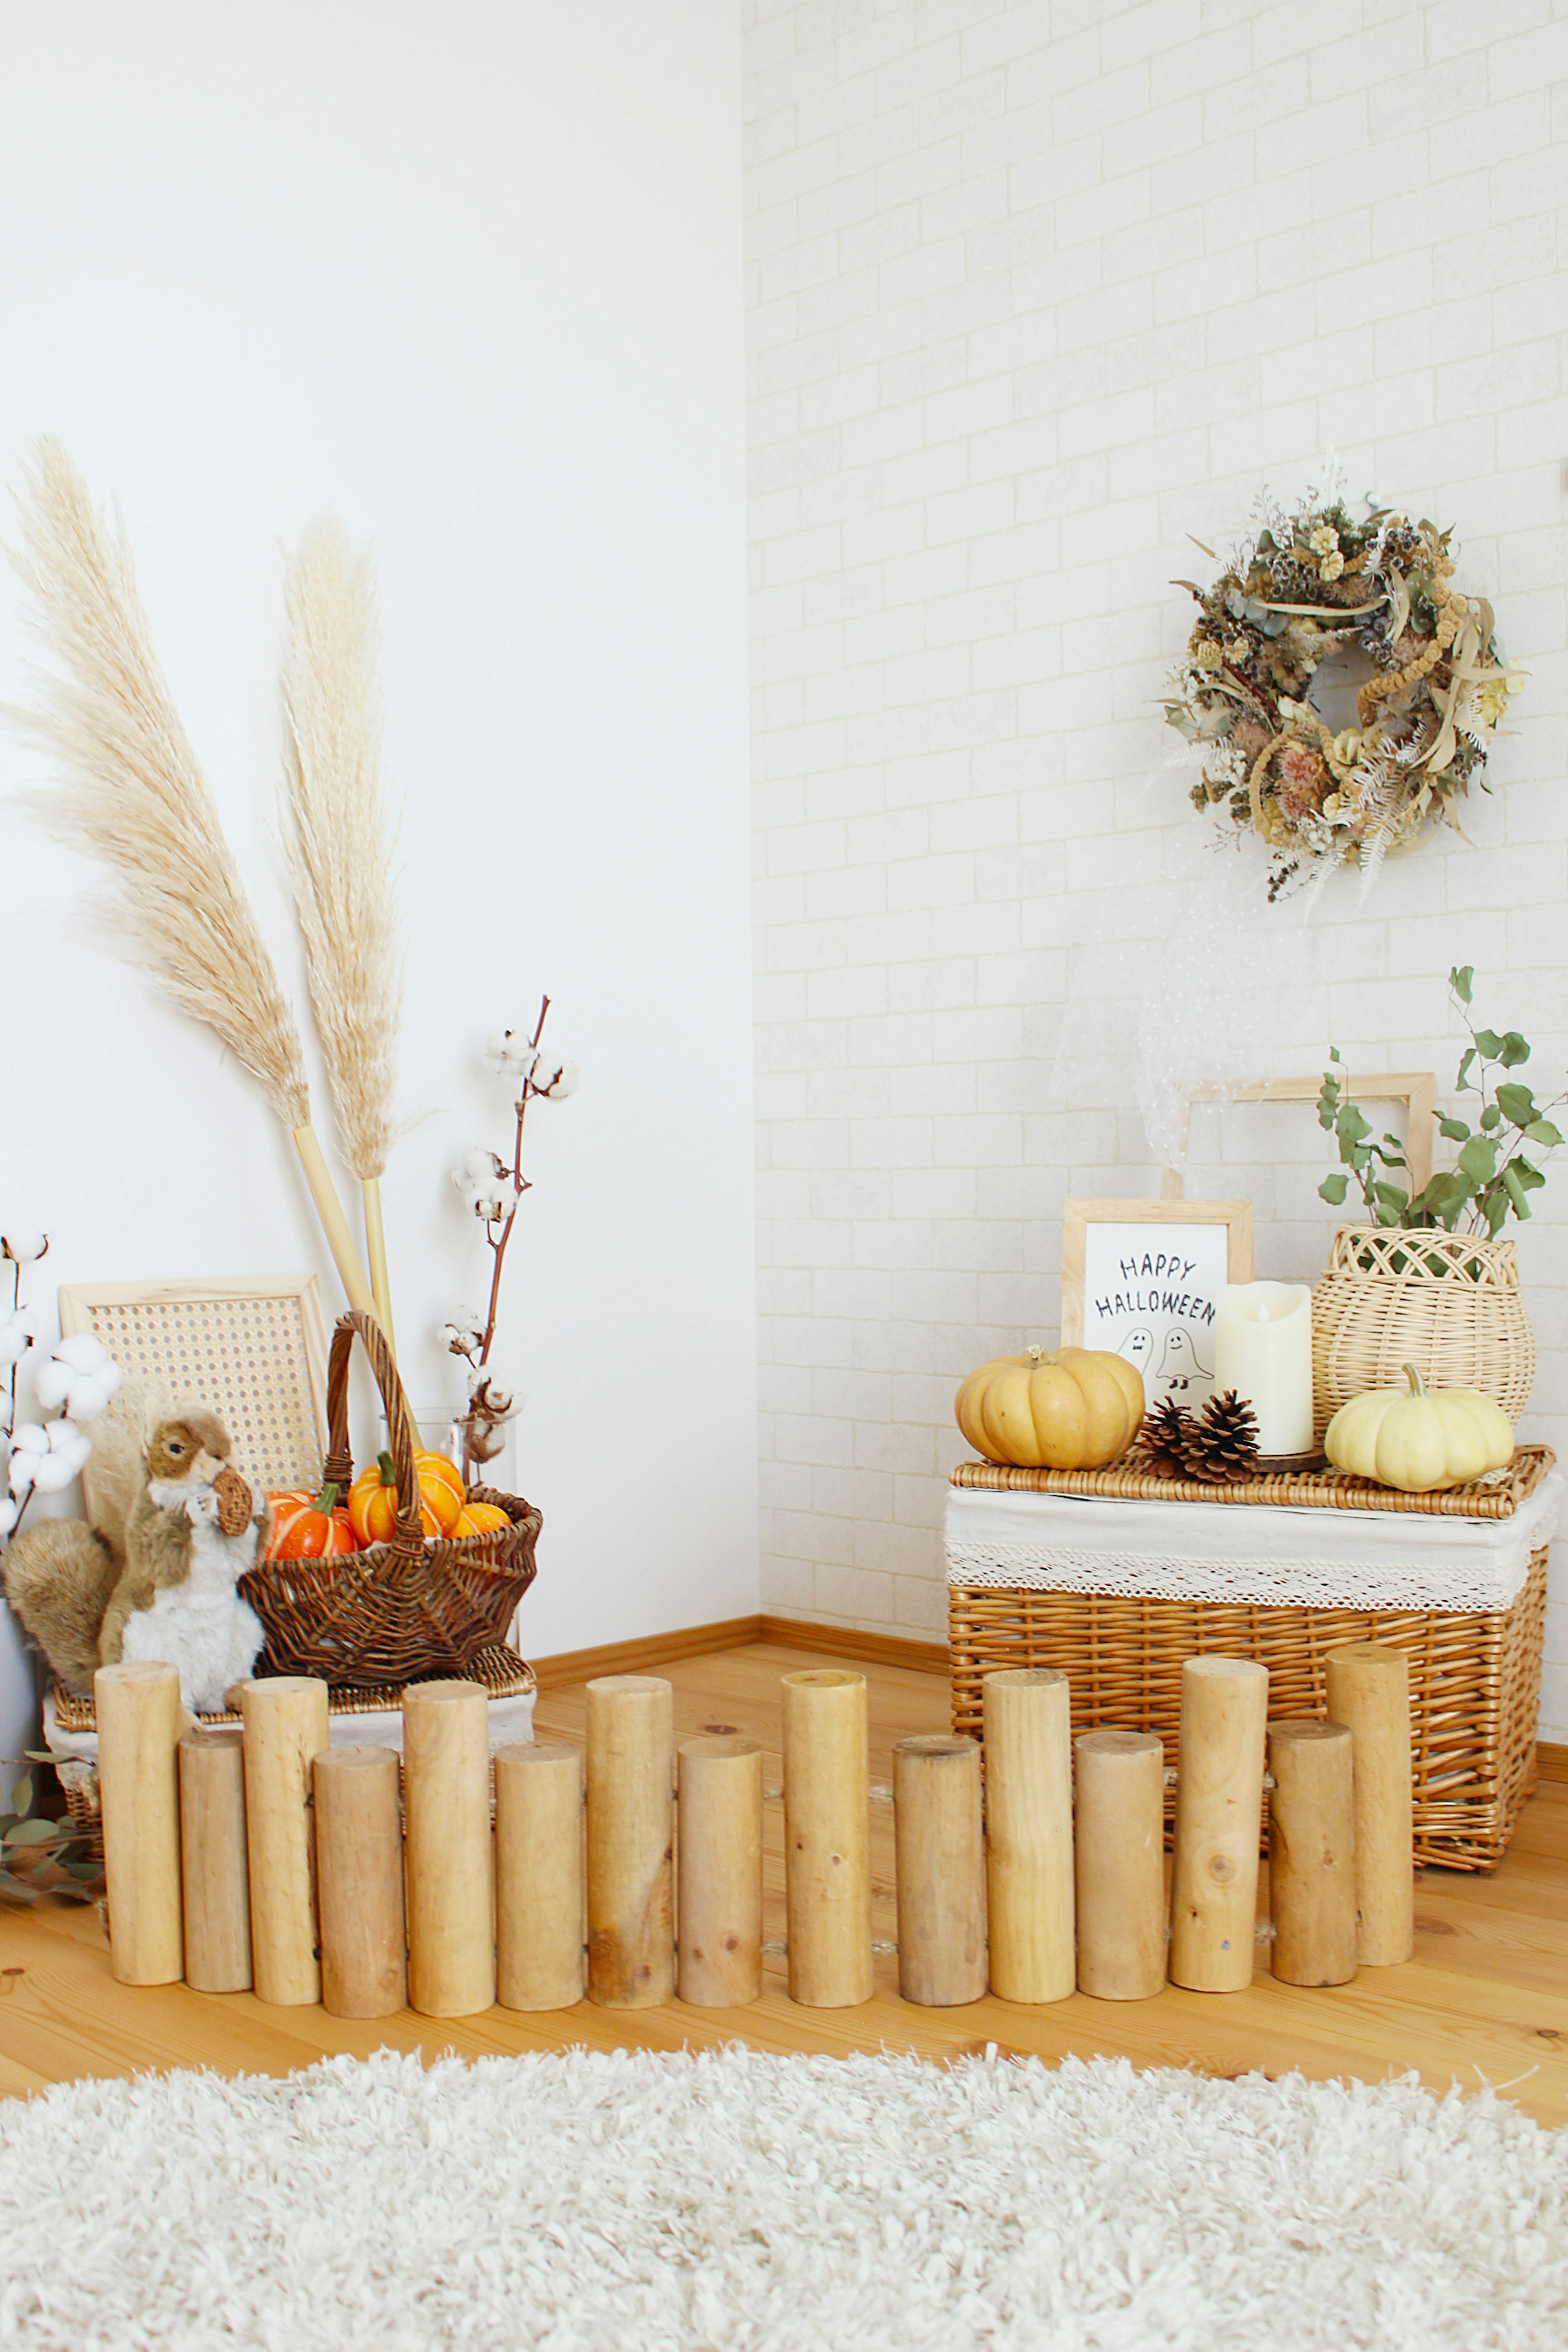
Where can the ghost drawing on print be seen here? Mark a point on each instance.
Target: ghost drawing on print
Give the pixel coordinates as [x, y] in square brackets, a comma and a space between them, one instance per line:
[1139, 1350]
[1182, 1370]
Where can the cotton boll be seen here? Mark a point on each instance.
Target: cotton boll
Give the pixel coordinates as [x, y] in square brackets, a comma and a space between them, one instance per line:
[54, 1473]
[511, 1053]
[87, 1398]
[109, 1377]
[52, 1384]
[556, 1082]
[15, 1340]
[24, 1471]
[82, 1352]
[23, 1242]
[30, 1437]
[76, 1447]
[9, 1515]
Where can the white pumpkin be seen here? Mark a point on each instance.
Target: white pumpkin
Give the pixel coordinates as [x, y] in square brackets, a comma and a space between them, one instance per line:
[1418, 1439]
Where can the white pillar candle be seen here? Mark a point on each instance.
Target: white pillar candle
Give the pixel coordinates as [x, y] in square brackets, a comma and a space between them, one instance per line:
[1263, 1349]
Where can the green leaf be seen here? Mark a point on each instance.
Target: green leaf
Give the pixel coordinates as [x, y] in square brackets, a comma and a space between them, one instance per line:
[1393, 1196]
[1540, 1130]
[1492, 1118]
[33, 1833]
[1461, 980]
[1385, 1214]
[1478, 1158]
[1515, 1190]
[1515, 1050]
[1351, 1125]
[1533, 1179]
[1489, 1043]
[1455, 1129]
[1334, 1188]
[1496, 1213]
[22, 1794]
[1516, 1103]
[1466, 1058]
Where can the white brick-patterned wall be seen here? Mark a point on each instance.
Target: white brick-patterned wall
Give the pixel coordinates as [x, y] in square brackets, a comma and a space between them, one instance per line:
[1036, 290]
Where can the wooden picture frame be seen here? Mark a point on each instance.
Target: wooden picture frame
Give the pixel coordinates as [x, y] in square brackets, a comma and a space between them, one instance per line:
[1417, 1089]
[252, 1347]
[1142, 1279]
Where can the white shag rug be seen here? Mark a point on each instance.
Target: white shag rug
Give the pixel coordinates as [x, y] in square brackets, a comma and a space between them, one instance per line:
[734, 2202]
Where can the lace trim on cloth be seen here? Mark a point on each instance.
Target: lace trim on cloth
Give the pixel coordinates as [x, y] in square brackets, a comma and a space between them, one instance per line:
[1295, 1584]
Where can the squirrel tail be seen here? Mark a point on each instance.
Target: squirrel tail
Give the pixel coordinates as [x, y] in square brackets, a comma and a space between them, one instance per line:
[118, 1470]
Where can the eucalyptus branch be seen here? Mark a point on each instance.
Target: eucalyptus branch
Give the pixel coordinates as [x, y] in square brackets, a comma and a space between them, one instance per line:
[1497, 1165]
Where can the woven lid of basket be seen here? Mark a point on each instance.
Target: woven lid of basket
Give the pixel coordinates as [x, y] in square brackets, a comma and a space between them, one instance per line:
[1496, 1496]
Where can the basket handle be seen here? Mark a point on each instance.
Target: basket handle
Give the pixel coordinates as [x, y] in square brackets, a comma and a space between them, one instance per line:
[408, 1538]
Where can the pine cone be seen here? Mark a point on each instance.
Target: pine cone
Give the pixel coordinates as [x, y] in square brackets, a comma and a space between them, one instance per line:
[1166, 1437]
[1221, 1447]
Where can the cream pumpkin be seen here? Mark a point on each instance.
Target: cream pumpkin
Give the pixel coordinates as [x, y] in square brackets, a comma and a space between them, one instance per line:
[1418, 1439]
[1075, 1409]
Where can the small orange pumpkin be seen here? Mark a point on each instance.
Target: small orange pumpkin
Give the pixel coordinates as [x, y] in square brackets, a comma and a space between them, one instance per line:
[310, 1526]
[441, 1488]
[373, 1505]
[478, 1519]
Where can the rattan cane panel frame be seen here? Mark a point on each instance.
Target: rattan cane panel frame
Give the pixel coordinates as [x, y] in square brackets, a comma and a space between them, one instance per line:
[253, 1351]
[1475, 1678]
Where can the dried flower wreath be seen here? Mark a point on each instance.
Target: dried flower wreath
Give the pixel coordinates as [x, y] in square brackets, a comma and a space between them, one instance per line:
[1314, 583]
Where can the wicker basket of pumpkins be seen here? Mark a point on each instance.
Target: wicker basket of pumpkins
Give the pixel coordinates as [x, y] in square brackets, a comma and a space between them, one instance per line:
[1073, 1409]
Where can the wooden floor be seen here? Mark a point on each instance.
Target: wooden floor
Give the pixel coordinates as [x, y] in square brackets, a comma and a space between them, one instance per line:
[1486, 1996]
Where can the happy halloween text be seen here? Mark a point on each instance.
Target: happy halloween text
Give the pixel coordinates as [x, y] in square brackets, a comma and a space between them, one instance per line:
[1157, 1265]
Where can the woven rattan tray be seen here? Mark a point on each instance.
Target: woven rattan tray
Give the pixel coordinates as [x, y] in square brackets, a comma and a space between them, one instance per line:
[503, 1673]
[1496, 1496]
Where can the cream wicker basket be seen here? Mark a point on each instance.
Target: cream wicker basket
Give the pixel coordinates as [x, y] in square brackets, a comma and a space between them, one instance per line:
[1448, 1303]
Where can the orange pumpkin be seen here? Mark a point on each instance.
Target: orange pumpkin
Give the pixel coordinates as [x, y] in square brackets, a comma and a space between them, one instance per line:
[478, 1519]
[441, 1488]
[308, 1526]
[373, 1505]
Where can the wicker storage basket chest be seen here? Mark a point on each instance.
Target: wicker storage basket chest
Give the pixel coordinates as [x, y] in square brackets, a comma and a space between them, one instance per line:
[1473, 1673]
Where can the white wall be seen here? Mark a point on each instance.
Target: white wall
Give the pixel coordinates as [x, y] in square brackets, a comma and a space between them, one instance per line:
[1036, 290]
[471, 276]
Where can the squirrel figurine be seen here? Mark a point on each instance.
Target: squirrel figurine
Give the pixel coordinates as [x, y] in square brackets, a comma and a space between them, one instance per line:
[156, 1579]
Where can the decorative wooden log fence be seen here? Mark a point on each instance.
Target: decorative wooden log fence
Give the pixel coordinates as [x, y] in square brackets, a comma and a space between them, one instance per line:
[322, 1873]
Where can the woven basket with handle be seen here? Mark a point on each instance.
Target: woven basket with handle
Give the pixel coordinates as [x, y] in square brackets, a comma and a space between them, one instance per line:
[1448, 1303]
[405, 1609]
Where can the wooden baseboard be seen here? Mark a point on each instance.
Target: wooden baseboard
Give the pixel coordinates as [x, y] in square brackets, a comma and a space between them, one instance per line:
[845, 1641]
[645, 1653]
[1551, 1761]
[651, 1651]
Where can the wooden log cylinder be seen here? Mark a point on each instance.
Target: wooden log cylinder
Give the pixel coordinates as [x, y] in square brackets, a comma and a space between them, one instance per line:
[1219, 1812]
[286, 1728]
[447, 1809]
[631, 1840]
[214, 1873]
[1369, 1691]
[1028, 1821]
[539, 1874]
[1311, 1852]
[1121, 1864]
[940, 1843]
[359, 1878]
[827, 1843]
[141, 1720]
[718, 1900]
